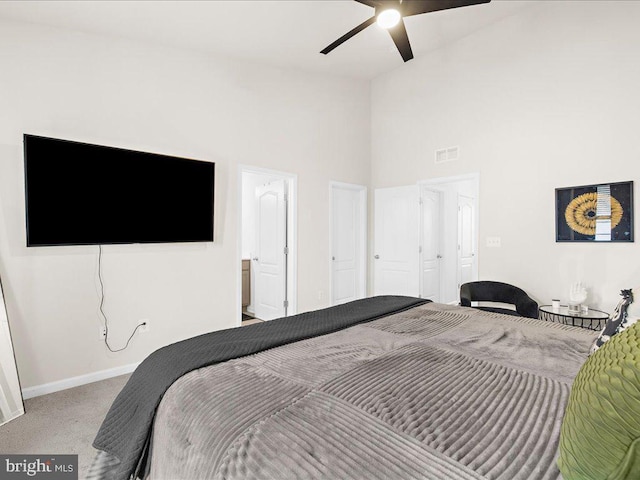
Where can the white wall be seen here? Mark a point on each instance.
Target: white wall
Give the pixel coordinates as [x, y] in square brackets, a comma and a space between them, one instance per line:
[544, 99]
[114, 92]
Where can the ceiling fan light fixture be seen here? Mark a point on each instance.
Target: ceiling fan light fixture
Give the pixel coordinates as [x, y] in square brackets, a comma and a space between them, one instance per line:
[388, 18]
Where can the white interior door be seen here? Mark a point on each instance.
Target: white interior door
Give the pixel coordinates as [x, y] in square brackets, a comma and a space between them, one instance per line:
[466, 240]
[348, 243]
[396, 237]
[270, 257]
[431, 251]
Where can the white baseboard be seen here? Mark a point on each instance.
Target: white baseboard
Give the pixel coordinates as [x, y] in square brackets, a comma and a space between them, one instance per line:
[52, 387]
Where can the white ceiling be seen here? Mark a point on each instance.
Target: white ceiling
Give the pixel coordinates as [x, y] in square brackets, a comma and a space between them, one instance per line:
[284, 33]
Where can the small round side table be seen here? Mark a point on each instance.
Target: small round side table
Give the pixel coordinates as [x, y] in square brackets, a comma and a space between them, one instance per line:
[593, 320]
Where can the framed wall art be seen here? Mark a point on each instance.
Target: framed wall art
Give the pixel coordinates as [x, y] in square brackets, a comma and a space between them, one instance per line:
[595, 213]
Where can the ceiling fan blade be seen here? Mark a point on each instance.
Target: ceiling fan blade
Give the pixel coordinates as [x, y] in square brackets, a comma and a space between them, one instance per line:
[401, 39]
[371, 3]
[416, 7]
[348, 35]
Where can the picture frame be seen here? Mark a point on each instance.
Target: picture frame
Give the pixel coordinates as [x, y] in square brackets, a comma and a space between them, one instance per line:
[595, 213]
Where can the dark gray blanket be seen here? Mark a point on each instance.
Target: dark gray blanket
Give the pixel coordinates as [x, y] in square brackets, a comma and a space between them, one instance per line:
[125, 432]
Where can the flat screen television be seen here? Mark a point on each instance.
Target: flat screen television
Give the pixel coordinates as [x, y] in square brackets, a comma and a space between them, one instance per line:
[82, 194]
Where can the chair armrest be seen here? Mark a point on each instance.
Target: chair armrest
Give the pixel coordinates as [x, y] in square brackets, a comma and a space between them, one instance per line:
[465, 295]
[527, 307]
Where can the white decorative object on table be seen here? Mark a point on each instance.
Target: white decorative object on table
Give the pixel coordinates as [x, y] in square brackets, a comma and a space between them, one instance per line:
[577, 296]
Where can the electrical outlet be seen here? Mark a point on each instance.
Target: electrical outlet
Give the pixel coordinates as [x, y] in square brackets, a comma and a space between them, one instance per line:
[144, 328]
[102, 332]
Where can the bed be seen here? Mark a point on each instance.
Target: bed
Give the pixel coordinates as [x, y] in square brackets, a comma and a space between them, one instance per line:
[381, 388]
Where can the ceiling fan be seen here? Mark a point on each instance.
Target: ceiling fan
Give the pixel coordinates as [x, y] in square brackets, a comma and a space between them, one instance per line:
[389, 14]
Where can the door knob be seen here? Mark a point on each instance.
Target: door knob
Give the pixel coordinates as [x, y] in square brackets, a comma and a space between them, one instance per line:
[333, 258]
[438, 256]
[376, 257]
[255, 259]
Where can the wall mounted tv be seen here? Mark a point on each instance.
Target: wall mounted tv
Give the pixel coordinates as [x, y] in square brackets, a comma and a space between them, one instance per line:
[82, 194]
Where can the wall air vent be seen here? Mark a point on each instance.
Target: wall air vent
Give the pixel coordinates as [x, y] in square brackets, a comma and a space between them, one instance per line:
[447, 154]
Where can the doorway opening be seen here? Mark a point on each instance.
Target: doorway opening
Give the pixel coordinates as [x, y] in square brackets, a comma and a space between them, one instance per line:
[267, 287]
[426, 238]
[449, 236]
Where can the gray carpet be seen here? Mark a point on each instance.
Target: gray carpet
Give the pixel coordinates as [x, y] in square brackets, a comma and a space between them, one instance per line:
[62, 422]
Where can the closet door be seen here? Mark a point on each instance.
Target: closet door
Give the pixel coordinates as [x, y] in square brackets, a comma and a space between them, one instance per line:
[467, 262]
[348, 242]
[396, 241]
[431, 255]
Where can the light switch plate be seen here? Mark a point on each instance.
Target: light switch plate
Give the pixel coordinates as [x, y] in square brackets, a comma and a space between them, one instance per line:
[494, 242]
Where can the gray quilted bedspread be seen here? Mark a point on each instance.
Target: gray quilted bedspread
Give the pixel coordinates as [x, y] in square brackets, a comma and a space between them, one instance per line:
[124, 436]
[434, 392]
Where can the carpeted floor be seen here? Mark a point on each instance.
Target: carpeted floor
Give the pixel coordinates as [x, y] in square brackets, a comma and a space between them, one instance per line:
[62, 422]
[65, 422]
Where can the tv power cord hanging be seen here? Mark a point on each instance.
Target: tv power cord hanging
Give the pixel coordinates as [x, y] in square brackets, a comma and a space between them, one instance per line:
[104, 316]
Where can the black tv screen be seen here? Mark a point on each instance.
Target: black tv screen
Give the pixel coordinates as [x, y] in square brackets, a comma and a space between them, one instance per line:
[82, 194]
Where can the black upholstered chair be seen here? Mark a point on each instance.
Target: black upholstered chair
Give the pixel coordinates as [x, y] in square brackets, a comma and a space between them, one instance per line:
[487, 291]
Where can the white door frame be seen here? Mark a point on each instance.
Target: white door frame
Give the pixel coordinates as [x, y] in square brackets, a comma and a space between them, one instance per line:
[292, 237]
[362, 274]
[451, 179]
[441, 181]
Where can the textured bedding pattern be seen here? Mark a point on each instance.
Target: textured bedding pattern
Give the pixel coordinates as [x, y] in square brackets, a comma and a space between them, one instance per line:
[124, 436]
[436, 392]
